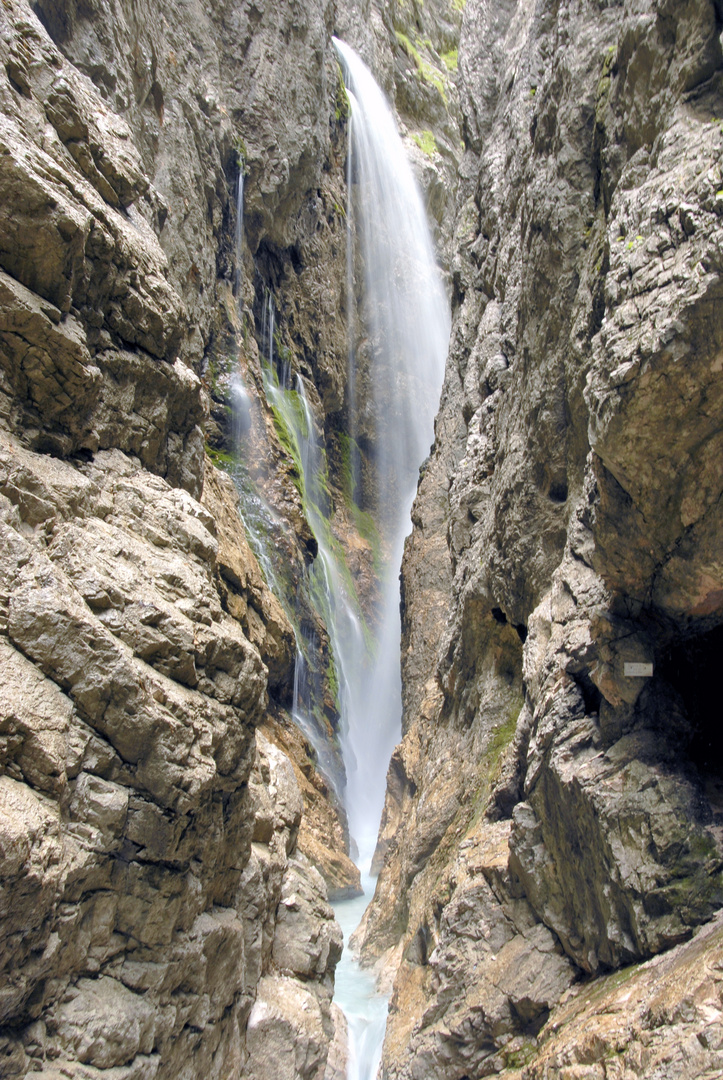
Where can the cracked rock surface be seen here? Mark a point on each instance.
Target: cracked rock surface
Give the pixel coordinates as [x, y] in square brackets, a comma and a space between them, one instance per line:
[149, 837]
[548, 811]
[150, 880]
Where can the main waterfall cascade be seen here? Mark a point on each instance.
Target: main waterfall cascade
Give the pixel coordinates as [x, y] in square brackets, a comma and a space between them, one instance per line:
[406, 316]
[392, 395]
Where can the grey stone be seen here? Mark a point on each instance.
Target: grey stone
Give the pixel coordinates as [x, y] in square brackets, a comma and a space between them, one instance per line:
[571, 503]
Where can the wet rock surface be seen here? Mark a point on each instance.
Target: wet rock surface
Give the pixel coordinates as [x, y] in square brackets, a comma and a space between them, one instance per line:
[564, 531]
[323, 833]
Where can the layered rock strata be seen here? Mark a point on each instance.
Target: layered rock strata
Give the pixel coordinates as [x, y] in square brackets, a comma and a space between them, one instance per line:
[153, 852]
[554, 811]
[147, 848]
[157, 907]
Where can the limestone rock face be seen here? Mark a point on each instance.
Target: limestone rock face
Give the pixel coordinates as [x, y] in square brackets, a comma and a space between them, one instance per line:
[245, 593]
[146, 850]
[152, 891]
[323, 832]
[90, 323]
[562, 584]
[294, 942]
[412, 49]
[659, 1018]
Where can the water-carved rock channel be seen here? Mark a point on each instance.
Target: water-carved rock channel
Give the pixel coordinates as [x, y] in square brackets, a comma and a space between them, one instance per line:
[360, 540]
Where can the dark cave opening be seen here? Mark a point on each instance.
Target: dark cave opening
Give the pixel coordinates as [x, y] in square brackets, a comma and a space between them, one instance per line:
[691, 668]
[590, 693]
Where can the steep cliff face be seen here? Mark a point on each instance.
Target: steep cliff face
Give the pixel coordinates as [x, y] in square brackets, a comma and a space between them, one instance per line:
[551, 814]
[159, 917]
[146, 845]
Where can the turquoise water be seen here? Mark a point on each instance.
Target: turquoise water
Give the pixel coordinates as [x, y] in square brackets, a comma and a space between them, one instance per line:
[355, 993]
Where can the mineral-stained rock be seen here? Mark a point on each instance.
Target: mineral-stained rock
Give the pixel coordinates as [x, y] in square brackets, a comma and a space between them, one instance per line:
[246, 594]
[47, 359]
[32, 880]
[81, 277]
[306, 940]
[292, 939]
[103, 1023]
[65, 243]
[652, 870]
[323, 832]
[35, 724]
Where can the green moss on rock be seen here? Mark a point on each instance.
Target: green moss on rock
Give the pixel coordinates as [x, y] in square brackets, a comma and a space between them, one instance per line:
[426, 142]
[425, 68]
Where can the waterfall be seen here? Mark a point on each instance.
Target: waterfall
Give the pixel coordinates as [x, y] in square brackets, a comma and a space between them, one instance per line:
[240, 409]
[325, 582]
[394, 380]
[354, 463]
[306, 693]
[239, 397]
[406, 317]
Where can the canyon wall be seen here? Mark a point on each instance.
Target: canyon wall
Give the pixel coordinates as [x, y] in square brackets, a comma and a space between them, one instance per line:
[167, 838]
[168, 842]
[553, 813]
[159, 915]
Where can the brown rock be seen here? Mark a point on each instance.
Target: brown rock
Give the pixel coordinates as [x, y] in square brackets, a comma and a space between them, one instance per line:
[323, 833]
[661, 1017]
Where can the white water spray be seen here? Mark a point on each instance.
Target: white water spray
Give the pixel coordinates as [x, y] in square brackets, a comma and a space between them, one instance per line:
[239, 397]
[406, 317]
[323, 580]
[393, 391]
[407, 321]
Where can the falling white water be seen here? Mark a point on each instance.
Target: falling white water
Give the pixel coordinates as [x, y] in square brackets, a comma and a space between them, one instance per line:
[354, 462]
[406, 317]
[355, 993]
[306, 691]
[240, 409]
[240, 401]
[365, 1010]
[324, 579]
[393, 391]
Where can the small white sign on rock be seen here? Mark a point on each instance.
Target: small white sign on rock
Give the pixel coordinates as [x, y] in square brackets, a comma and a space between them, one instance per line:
[639, 671]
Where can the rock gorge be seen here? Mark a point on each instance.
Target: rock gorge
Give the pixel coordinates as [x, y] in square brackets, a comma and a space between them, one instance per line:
[550, 856]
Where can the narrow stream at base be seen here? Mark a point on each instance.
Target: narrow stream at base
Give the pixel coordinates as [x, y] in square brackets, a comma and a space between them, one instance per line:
[356, 995]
